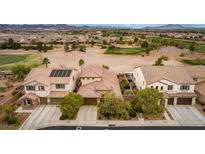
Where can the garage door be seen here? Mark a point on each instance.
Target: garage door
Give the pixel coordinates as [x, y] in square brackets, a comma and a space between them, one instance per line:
[170, 101]
[43, 100]
[56, 100]
[184, 101]
[90, 101]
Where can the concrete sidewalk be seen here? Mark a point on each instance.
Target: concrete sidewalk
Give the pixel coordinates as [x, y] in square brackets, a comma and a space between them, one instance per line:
[48, 115]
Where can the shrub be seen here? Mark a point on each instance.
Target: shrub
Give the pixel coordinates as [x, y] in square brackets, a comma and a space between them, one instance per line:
[2, 89]
[182, 54]
[20, 71]
[70, 105]
[159, 62]
[106, 67]
[144, 44]
[146, 101]
[14, 92]
[10, 119]
[103, 47]
[164, 58]
[124, 85]
[83, 48]
[9, 109]
[111, 47]
[113, 107]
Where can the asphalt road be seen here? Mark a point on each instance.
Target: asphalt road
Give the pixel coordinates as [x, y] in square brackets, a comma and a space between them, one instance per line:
[125, 128]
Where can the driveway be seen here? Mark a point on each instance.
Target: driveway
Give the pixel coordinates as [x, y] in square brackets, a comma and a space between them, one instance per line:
[48, 115]
[87, 113]
[186, 115]
[42, 115]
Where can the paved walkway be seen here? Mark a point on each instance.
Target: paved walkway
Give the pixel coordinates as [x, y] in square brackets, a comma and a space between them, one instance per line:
[186, 115]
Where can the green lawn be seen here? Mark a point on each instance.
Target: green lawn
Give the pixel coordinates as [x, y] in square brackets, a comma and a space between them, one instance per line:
[125, 51]
[194, 61]
[8, 61]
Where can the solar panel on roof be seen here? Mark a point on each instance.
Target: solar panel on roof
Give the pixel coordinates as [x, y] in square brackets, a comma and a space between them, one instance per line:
[68, 73]
[57, 73]
[52, 73]
[60, 73]
[64, 73]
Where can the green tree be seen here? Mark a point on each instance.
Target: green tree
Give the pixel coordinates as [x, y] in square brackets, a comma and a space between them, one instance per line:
[45, 48]
[73, 45]
[113, 107]
[145, 44]
[92, 43]
[46, 61]
[39, 46]
[104, 42]
[135, 40]
[81, 63]
[83, 48]
[66, 47]
[70, 105]
[159, 62]
[20, 71]
[192, 47]
[147, 101]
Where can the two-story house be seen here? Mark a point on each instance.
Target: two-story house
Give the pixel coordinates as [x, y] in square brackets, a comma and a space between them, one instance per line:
[198, 75]
[174, 82]
[47, 86]
[96, 80]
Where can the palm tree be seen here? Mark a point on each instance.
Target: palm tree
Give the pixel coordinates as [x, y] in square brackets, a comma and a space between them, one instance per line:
[46, 61]
[81, 63]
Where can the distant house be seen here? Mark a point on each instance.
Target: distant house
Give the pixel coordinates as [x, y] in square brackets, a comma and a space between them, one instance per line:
[47, 86]
[174, 82]
[96, 80]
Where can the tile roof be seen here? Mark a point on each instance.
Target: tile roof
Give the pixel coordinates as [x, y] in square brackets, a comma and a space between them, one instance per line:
[196, 71]
[29, 95]
[109, 82]
[42, 75]
[176, 74]
[200, 88]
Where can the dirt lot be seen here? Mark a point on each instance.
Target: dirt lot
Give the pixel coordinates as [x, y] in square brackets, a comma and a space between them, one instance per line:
[118, 63]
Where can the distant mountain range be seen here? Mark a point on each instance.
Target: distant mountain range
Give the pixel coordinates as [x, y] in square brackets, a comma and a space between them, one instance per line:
[116, 26]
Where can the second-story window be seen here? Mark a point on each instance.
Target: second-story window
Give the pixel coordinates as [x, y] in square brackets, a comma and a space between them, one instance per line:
[41, 88]
[30, 88]
[60, 86]
[184, 87]
[170, 87]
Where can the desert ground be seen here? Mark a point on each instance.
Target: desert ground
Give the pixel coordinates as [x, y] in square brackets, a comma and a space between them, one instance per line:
[117, 63]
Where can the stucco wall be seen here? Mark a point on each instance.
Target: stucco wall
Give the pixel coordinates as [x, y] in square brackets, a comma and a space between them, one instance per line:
[176, 87]
[68, 87]
[140, 83]
[138, 79]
